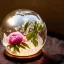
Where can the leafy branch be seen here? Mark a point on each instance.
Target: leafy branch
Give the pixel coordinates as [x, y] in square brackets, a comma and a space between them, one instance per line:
[26, 25]
[33, 35]
[16, 46]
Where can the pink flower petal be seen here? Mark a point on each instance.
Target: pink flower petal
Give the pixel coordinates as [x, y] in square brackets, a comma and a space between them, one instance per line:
[15, 38]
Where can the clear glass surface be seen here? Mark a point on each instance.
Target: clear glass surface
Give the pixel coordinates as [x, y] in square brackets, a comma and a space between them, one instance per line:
[30, 25]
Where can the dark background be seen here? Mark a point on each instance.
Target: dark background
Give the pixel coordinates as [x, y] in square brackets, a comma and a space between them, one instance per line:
[52, 11]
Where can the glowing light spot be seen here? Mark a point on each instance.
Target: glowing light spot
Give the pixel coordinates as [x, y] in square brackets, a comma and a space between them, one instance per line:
[11, 21]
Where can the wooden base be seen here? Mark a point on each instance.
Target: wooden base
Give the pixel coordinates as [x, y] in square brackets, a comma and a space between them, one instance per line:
[31, 57]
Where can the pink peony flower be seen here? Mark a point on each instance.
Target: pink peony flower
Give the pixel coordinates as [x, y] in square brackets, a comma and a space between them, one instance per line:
[15, 38]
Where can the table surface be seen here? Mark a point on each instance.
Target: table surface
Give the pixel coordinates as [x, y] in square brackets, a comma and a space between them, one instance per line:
[52, 50]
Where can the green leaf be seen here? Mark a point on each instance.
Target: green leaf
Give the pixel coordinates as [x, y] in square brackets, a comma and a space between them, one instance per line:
[35, 36]
[29, 35]
[18, 45]
[35, 23]
[26, 25]
[22, 46]
[39, 27]
[9, 46]
[16, 48]
[25, 45]
[35, 27]
[35, 42]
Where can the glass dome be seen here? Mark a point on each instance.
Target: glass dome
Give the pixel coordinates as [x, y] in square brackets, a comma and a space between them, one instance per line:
[23, 32]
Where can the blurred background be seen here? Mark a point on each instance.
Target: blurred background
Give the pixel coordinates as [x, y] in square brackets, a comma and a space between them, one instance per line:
[51, 11]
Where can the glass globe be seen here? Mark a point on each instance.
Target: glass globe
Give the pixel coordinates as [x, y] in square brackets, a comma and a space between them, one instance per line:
[23, 32]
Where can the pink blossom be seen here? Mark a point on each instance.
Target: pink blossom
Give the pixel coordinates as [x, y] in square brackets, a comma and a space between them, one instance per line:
[15, 38]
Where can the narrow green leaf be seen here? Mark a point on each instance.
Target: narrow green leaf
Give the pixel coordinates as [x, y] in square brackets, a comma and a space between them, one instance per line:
[9, 46]
[18, 45]
[35, 28]
[16, 48]
[22, 46]
[25, 45]
[26, 25]
[35, 22]
[29, 35]
[39, 27]
[35, 36]
[35, 42]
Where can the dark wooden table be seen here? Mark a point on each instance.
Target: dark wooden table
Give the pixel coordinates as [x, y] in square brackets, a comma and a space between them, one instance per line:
[53, 51]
